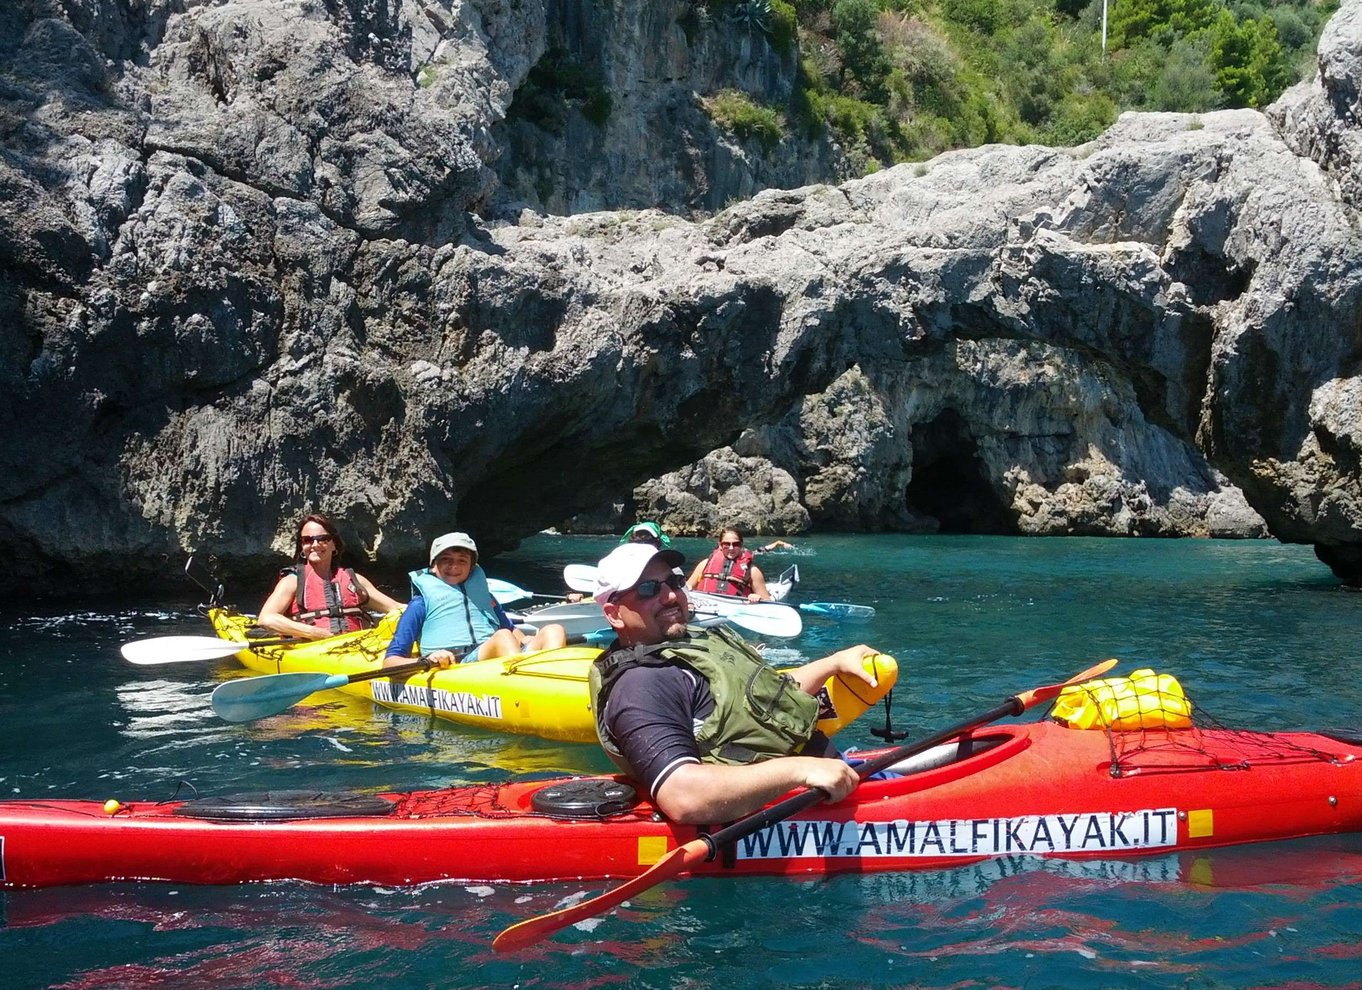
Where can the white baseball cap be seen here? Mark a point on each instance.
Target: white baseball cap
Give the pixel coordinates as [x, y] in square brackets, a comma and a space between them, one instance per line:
[460, 541]
[620, 569]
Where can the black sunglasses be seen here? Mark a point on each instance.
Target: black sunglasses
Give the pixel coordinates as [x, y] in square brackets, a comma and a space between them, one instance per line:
[651, 589]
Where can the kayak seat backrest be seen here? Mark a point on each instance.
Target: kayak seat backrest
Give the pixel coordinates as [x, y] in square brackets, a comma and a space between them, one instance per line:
[946, 754]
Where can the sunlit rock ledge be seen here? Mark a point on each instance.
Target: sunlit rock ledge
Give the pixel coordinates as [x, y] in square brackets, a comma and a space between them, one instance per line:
[253, 262]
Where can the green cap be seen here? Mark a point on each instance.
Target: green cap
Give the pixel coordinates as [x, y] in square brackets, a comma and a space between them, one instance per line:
[646, 532]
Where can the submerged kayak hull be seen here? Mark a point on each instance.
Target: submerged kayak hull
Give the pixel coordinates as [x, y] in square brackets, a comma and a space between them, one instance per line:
[1029, 790]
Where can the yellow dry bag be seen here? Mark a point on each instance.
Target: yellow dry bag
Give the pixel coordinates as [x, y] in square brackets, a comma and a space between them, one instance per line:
[1144, 700]
[845, 697]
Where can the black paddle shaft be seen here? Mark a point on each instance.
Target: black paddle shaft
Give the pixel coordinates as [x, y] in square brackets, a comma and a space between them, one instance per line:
[396, 670]
[807, 799]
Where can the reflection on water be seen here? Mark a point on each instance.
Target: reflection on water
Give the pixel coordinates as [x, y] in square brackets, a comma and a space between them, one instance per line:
[158, 709]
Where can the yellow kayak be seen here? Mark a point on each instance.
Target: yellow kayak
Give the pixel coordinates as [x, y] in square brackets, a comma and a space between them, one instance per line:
[539, 694]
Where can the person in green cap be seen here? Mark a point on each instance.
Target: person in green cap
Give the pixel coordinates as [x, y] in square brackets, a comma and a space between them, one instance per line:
[647, 532]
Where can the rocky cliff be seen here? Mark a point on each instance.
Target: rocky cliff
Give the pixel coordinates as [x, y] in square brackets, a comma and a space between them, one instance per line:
[257, 257]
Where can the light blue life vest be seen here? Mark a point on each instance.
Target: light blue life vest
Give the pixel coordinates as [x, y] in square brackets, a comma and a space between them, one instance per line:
[457, 616]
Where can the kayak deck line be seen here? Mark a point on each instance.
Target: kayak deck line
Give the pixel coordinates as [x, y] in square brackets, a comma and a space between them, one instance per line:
[1034, 789]
[1154, 751]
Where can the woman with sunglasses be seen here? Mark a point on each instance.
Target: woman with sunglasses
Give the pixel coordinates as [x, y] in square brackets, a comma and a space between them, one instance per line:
[730, 570]
[316, 598]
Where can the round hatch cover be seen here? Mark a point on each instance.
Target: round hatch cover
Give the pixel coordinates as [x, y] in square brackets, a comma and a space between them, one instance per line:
[588, 797]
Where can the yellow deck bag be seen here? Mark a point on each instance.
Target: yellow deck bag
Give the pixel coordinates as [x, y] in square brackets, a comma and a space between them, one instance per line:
[1144, 700]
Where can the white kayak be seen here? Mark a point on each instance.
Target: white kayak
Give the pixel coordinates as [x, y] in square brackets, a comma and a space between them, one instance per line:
[582, 577]
[579, 618]
[771, 618]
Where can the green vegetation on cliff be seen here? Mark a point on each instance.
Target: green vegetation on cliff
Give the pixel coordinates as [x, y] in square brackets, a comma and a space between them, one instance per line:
[903, 80]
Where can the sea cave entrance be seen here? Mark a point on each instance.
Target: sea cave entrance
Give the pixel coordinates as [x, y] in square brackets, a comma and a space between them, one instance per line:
[949, 481]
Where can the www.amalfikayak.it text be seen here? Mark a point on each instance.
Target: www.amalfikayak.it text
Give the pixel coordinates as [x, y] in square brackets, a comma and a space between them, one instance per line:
[1033, 834]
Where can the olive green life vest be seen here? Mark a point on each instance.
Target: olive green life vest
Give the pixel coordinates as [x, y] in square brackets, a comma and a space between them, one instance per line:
[759, 712]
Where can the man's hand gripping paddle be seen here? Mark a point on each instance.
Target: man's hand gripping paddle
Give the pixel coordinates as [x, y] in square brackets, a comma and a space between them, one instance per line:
[704, 847]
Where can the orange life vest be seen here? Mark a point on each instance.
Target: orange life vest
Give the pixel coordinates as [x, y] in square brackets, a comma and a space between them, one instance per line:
[722, 576]
[336, 605]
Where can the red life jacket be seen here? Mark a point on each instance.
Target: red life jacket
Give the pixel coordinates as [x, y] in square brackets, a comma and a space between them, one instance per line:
[336, 605]
[722, 576]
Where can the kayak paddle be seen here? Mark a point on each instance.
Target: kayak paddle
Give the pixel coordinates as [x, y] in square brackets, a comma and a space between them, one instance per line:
[837, 610]
[762, 618]
[704, 847]
[249, 698]
[186, 649]
[580, 577]
[505, 592]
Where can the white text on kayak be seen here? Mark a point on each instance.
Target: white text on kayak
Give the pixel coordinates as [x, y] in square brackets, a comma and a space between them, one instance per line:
[1029, 834]
[438, 699]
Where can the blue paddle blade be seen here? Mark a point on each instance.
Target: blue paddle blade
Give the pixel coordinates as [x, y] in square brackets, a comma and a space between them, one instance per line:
[251, 698]
[838, 610]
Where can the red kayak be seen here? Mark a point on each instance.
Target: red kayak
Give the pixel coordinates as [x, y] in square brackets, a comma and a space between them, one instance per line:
[1026, 790]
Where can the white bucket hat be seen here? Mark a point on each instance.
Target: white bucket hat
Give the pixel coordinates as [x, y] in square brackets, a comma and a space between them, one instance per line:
[453, 540]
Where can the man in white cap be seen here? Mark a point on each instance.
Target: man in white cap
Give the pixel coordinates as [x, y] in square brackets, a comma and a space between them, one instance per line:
[452, 616]
[709, 728]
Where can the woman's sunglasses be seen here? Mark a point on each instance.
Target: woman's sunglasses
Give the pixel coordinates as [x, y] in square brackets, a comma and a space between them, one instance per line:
[307, 541]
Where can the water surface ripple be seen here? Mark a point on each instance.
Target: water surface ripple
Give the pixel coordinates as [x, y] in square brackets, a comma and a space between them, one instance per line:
[1260, 635]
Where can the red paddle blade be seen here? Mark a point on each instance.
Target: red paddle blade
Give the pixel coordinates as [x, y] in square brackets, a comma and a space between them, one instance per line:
[1029, 699]
[532, 930]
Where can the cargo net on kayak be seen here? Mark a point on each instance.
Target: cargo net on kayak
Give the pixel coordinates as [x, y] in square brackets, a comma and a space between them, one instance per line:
[590, 798]
[1151, 726]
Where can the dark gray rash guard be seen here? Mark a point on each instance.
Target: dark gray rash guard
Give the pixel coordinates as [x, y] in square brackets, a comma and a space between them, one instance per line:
[652, 715]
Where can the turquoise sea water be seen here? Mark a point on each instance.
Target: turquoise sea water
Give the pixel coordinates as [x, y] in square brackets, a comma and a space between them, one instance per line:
[1260, 635]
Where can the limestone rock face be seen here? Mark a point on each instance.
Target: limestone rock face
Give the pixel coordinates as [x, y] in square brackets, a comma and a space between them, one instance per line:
[1318, 120]
[657, 145]
[252, 264]
[991, 437]
[725, 489]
